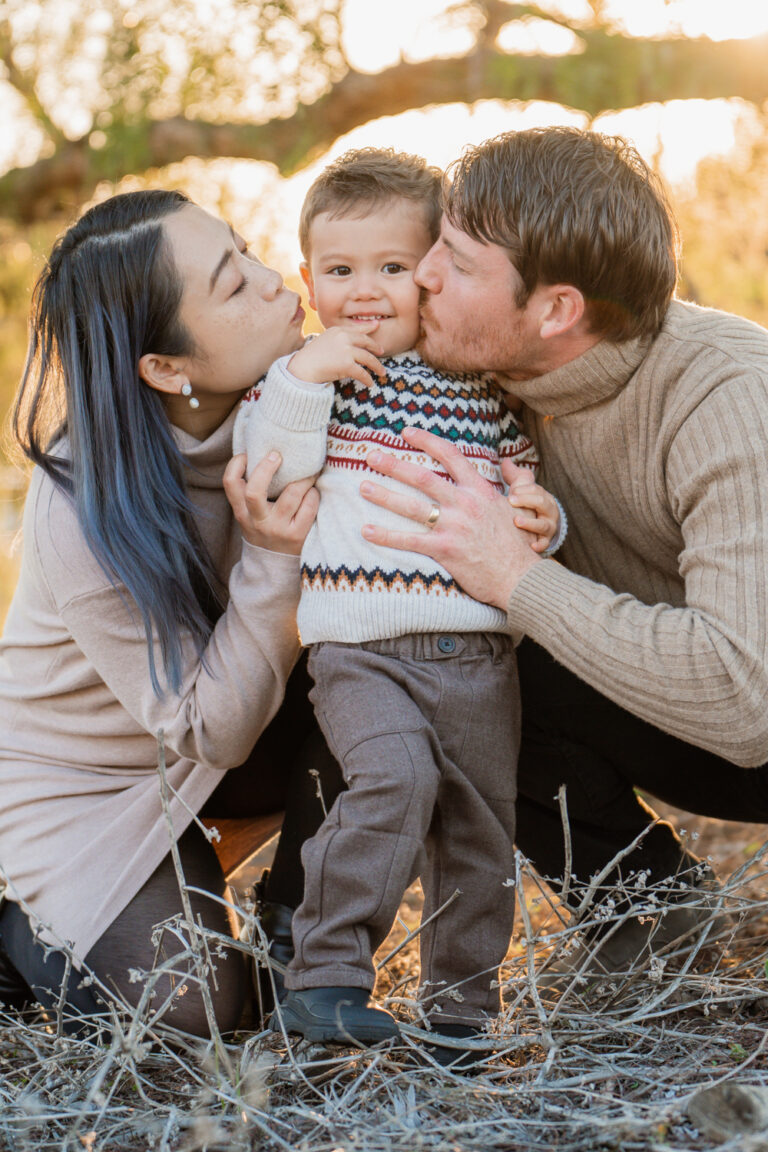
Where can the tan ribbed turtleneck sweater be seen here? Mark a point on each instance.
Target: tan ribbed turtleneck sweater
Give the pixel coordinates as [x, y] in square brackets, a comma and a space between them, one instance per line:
[659, 452]
[81, 827]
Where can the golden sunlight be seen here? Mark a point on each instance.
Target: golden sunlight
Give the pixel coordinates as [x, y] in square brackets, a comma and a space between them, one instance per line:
[737, 19]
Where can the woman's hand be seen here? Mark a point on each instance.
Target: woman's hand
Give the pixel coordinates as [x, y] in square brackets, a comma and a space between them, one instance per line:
[277, 525]
[473, 532]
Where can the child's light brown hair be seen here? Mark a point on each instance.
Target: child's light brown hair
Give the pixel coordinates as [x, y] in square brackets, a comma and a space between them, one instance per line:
[366, 178]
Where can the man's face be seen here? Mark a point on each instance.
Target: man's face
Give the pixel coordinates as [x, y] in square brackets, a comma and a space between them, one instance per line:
[469, 318]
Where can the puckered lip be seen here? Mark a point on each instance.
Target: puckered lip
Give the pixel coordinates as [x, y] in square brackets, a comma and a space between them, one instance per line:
[299, 314]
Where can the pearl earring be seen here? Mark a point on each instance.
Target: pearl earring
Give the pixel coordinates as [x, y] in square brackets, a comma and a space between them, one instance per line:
[186, 390]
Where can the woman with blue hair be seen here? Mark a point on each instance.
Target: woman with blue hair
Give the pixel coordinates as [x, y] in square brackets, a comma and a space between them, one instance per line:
[157, 592]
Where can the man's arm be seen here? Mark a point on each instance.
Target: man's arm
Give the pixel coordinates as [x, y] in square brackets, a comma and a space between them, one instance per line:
[700, 671]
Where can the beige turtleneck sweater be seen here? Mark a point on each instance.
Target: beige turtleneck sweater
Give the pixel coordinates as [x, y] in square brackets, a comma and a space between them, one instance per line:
[81, 826]
[659, 452]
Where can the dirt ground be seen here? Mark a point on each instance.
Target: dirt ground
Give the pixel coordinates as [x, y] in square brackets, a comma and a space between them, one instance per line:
[672, 1057]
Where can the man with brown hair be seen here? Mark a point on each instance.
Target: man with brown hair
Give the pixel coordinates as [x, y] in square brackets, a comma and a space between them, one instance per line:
[646, 663]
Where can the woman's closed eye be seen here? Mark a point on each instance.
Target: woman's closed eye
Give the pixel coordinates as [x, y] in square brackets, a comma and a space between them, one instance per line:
[249, 255]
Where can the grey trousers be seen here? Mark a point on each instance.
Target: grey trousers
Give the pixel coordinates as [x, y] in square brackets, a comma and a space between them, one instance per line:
[426, 730]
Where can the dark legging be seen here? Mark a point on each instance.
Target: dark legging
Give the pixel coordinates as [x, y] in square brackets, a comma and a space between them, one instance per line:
[276, 776]
[573, 735]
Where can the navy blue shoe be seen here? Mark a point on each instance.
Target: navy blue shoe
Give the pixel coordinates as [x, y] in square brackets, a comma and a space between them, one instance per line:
[334, 1016]
[456, 1059]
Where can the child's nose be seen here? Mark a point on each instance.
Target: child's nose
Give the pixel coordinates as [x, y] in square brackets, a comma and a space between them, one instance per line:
[366, 287]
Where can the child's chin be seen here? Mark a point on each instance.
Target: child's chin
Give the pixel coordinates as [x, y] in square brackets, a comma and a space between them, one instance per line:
[396, 345]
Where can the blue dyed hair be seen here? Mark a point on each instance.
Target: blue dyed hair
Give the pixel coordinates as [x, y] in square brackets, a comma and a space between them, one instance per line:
[109, 294]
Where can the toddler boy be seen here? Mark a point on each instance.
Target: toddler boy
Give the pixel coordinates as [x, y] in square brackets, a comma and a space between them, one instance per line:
[415, 683]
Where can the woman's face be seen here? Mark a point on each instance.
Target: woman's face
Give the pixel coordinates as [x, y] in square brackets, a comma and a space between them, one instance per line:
[238, 312]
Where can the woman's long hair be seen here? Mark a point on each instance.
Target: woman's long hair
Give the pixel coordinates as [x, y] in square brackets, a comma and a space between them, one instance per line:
[108, 294]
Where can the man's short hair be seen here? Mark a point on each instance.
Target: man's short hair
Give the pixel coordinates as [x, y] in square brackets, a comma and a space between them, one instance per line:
[573, 207]
[365, 179]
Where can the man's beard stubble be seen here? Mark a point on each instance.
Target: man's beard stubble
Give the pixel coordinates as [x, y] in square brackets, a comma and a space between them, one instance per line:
[444, 360]
[482, 349]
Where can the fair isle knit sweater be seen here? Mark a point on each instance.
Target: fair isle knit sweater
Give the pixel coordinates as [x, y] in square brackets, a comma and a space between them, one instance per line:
[353, 591]
[659, 450]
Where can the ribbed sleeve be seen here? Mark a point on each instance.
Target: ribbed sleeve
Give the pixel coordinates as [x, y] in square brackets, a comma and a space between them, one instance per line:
[665, 606]
[290, 415]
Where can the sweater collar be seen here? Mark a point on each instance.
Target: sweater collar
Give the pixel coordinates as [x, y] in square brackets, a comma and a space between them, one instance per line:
[596, 375]
[205, 460]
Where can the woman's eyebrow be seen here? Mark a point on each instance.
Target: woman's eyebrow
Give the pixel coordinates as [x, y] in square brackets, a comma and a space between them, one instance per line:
[222, 263]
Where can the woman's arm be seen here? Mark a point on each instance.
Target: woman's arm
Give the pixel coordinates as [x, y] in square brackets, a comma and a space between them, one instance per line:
[229, 692]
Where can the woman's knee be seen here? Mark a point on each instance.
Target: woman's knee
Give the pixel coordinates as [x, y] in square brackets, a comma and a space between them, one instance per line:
[159, 969]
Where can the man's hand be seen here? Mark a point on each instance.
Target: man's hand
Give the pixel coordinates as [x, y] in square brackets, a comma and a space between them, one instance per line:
[277, 525]
[337, 353]
[474, 537]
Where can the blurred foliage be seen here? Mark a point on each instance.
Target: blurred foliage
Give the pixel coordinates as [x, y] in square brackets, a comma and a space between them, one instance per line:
[123, 86]
[724, 224]
[130, 60]
[22, 254]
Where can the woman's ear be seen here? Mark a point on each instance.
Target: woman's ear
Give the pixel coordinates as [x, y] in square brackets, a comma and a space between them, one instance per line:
[162, 373]
[309, 283]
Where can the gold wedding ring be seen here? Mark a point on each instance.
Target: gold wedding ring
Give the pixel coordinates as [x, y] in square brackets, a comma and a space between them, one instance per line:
[434, 515]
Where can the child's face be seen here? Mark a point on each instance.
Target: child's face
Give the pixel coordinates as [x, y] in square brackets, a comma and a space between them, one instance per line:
[361, 269]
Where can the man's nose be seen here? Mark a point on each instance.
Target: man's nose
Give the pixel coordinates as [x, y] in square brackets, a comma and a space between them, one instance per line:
[427, 275]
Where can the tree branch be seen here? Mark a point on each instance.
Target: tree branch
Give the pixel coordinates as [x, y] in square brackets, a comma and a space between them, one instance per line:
[613, 71]
[23, 83]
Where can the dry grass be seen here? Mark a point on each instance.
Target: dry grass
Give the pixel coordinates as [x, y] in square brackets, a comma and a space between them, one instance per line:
[606, 1065]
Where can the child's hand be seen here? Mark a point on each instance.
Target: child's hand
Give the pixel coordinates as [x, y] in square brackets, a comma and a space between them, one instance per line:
[339, 352]
[539, 513]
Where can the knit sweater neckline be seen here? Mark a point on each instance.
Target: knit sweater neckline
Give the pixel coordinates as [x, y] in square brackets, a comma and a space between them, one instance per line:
[595, 376]
[205, 460]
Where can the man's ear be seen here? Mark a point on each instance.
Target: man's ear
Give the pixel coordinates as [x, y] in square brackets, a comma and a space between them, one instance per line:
[162, 373]
[562, 308]
[309, 283]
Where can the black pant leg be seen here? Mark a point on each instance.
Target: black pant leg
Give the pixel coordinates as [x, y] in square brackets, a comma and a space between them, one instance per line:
[289, 763]
[575, 736]
[128, 943]
[31, 972]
